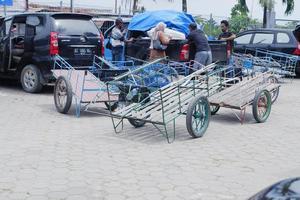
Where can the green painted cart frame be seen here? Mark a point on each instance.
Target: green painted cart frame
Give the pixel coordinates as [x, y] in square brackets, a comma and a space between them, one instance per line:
[187, 96]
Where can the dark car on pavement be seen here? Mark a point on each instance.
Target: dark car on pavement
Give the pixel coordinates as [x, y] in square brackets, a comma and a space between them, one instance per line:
[288, 189]
[281, 40]
[29, 43]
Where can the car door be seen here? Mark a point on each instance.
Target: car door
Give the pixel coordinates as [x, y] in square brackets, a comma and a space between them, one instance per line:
[242, 43]
[262, 40]
[4, 45]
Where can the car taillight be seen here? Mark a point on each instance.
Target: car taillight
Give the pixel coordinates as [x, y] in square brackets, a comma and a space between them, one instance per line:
[54, 49]
[184, 53]
[297, 50]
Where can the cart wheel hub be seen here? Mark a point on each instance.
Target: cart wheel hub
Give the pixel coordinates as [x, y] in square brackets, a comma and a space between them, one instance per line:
[198, 115]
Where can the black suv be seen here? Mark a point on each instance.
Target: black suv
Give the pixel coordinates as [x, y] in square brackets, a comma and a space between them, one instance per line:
[29, 42]
[282, 40]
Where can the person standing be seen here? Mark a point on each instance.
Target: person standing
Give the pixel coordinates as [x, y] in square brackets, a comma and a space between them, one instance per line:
[227, 36]
[198, 40]
[117, 40]
[159, 42]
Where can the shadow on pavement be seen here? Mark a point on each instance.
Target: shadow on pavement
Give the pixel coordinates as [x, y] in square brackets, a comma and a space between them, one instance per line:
[15, 86]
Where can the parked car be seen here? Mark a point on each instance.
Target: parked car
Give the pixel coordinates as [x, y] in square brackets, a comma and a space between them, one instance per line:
[29, 42]
[178, 49]
[281, 40]
[286, 190]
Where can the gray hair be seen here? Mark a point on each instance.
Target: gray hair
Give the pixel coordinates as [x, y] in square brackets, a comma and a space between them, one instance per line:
[160, 26]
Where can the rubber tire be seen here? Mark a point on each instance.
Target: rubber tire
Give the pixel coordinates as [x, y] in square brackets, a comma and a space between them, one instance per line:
[255, 105]
[136, 123]
[214, 111]
[189, 116]
[38, 85]
[274, 98]
[112, 107]
[66, 108]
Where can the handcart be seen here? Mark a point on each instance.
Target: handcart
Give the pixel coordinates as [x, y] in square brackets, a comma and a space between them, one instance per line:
[286, 63]
[246, 65]
[187, 96]
[88, 86]
[255, 91]
[154, 76]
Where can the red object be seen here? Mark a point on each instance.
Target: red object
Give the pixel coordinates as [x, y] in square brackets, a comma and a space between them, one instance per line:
[54, 49]
[102, 45]
[297, 50]
[184, 53]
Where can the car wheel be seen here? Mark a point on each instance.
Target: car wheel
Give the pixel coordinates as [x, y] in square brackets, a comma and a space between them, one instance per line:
[31, 79]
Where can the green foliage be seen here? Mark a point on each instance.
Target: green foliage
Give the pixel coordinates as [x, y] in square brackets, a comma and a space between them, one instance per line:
[239, 19]
[210, 27]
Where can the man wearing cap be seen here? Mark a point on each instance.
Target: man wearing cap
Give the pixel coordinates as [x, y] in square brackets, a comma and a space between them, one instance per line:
[117, 40]
[198, 40]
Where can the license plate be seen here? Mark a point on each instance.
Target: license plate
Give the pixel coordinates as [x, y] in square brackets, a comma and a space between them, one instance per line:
[82, 51]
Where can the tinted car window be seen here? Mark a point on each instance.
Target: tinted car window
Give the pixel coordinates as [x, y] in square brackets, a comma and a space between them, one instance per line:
[263, 38]
[244, 39]
[76, 27]
[283, 38]
[7, 26]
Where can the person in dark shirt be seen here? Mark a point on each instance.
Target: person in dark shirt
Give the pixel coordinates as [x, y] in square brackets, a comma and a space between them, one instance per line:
[198, 40]
[226, 35]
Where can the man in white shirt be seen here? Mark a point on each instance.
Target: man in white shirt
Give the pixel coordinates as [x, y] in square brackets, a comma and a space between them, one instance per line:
[117, 40]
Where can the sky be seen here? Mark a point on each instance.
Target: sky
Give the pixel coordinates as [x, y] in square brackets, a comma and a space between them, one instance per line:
[218, 8]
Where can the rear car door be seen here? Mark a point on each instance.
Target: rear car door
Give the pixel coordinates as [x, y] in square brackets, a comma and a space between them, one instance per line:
[78, 38]
[263, 40]
[4, 44]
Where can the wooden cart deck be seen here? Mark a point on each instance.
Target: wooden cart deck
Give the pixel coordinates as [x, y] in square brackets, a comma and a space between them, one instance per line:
[242, 94]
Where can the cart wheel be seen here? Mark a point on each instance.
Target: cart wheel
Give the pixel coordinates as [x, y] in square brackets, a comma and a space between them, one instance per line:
[136, 123]
[62, 95]
[214, 109]
[197, 117]
[112, 106]
[275, 93]
[261, 107]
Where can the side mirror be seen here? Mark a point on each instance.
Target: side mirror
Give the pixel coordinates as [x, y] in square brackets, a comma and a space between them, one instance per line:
[33, 21]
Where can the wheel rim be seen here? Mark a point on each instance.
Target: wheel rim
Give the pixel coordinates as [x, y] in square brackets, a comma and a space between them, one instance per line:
[30, 78]
[61, 93]
[200, 118]
[263, 106]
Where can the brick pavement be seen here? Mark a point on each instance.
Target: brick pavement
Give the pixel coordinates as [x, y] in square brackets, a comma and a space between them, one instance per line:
[47, 155]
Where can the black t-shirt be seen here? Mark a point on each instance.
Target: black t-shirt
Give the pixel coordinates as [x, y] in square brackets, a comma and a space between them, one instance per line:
[229, 42]
[198, 39]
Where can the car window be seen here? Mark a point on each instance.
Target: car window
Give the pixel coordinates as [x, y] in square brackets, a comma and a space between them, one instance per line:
[283, 38]
[263, 38]
[82, 27]
[7, 26]
[244, 39]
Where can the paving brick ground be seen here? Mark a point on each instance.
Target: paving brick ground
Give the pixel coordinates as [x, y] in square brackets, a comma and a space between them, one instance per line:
[47, 155]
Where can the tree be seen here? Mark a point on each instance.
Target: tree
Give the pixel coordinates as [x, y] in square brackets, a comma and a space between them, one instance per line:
[239, 19]
[268, 5]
